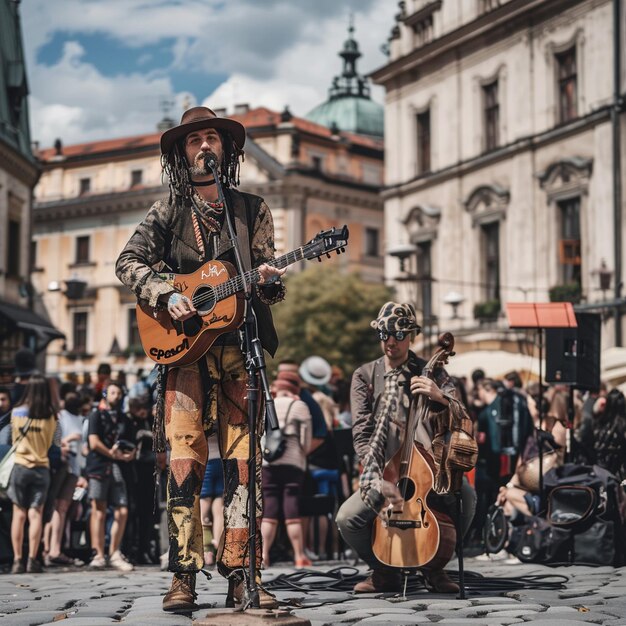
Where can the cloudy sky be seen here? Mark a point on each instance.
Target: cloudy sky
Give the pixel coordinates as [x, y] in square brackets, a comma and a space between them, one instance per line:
[103, 68]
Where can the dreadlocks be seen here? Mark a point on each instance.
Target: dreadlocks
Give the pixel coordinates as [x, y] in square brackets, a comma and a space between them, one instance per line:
[176, 168]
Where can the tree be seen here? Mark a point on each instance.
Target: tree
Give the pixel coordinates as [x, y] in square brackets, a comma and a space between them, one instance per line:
[328, 314]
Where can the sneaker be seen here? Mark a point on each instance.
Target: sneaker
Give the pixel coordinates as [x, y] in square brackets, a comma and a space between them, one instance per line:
[118, 561]
[98, 562]
[18, 567]
[33, 566]
[302, 563]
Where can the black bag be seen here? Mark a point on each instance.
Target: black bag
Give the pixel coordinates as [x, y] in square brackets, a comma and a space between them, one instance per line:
[539, 542]
[275, 441]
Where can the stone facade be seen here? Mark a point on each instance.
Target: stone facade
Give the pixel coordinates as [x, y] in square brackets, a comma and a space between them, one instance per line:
[499, 162]
[91, 196]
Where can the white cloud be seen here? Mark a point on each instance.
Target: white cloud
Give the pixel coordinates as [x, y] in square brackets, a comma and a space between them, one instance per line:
[276, 52]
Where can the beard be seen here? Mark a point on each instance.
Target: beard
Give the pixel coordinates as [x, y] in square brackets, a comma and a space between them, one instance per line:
[199, 167]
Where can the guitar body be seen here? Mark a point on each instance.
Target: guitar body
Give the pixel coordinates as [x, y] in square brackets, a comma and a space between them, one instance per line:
[418, 536]
[180, 343]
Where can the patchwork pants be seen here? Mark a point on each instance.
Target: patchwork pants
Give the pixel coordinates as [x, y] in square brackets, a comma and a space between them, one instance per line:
[186, 427]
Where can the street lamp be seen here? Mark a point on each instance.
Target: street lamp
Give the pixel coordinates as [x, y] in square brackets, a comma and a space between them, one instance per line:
[402, 252]
[454, 299]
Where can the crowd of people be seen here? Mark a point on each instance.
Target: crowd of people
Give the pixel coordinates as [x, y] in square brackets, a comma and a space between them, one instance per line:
[84, 458]
[85, 453]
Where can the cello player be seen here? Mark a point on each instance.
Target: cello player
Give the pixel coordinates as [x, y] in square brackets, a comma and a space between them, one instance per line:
[400, 370]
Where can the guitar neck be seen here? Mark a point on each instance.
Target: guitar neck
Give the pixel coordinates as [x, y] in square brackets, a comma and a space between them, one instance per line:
[252, 277]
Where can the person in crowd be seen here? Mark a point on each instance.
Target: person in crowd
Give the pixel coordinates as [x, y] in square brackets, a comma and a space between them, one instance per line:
[5, 416]
[381, 394]
[504, 425]
[319, 435]
[323, 461]
[107, 427]
[182, 233]
[605, 440]
[521, 493]
[141, 539]
[212, 502]
[33, 423]
[71, 424]
[102, 379]
[283, 478]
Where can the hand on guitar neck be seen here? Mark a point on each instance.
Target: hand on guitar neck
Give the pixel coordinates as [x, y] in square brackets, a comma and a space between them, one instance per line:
[181, 308]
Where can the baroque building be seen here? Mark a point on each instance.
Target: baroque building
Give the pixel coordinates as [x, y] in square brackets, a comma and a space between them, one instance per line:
[503, 132]
[91, 196]
[20, 325]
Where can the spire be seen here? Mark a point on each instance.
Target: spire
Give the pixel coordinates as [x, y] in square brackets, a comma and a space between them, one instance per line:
[349, 83]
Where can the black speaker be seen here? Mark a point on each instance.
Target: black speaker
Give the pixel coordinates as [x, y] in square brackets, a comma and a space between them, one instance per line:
[573, 354]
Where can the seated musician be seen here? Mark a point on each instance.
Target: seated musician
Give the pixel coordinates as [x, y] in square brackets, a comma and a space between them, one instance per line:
[396, 375]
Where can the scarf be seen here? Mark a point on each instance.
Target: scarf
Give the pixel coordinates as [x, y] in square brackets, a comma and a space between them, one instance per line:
[371, 484]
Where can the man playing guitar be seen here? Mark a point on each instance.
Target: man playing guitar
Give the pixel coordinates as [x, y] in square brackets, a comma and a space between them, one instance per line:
[179, 235]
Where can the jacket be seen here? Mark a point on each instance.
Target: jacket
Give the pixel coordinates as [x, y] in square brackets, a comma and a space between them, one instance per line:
[165, 241]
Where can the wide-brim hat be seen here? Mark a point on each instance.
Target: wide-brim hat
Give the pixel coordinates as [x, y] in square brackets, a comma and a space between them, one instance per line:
[315, 370]
[394, 316]
[198, 118]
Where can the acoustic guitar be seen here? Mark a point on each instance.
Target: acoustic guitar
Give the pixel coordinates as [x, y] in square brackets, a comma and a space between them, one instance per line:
[216, 291]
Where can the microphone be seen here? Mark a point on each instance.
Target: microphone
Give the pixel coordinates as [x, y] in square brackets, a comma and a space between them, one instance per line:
[210, 161]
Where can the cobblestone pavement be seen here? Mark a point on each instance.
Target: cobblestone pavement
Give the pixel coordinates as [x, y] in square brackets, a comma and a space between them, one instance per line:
[590, 595]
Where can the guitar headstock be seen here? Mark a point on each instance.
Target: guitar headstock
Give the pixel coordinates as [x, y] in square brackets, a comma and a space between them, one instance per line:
[325, 242]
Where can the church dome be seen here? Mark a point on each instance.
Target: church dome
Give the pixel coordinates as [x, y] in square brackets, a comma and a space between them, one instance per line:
[349, 106]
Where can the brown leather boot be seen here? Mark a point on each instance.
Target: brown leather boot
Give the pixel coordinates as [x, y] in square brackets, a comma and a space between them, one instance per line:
[182, 594]
[438, 580]
[380, 581]
[238, 593]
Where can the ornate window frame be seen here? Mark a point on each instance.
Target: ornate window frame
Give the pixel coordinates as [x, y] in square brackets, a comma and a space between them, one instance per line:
[429, 105]
[479, 82]
[422, 223]
[494, 200]
[564, 179]
[552, 49]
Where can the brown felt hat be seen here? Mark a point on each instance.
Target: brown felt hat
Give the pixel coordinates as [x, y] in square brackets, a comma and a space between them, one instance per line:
[198, 118]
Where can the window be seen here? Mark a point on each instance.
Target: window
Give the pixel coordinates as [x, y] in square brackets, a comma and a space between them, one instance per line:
[13, 248]
[33, 253]
[371, 242]
[491, 260]
[133, 329]
[423, 142]
[84, 186]
[425, 279]
[82, 249]
[79, 332]
[492, 115]
[569, 244]
[566, 77]
[316, 162]
[136, 178]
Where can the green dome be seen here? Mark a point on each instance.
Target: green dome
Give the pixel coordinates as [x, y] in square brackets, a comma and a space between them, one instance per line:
[353, 114]
[349, 106]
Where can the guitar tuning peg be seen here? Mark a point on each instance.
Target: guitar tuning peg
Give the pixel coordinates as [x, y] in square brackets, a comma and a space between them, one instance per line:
[343, 249]
[338, 251]
[328, 255]
[319, 258]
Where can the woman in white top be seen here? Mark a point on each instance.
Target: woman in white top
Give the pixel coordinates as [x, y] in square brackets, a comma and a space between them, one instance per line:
[283, 478]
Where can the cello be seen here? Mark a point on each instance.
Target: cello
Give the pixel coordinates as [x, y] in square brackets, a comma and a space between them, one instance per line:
[415, 535]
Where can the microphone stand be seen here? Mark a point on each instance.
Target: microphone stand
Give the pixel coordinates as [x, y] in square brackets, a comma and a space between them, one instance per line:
[256, 368]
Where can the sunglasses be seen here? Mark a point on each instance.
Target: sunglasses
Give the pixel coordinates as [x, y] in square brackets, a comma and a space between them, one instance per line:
[398, 335]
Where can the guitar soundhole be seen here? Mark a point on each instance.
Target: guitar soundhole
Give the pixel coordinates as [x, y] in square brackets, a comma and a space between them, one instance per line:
[406, 488]
[204, 300]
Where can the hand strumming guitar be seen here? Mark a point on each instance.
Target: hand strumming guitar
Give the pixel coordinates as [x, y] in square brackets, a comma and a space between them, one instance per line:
[180, 307]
